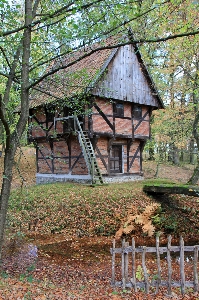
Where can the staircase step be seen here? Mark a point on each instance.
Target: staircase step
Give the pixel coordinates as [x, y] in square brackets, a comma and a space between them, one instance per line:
[89, 155]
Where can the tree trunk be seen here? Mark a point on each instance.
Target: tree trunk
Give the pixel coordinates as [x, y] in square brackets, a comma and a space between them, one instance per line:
[191, 151]
[175, 155]
[195, 176]
[6, 187]
[12, 140]
[151, 153]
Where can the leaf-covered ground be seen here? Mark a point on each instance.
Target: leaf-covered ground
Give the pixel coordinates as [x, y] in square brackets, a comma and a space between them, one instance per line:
[59, 236]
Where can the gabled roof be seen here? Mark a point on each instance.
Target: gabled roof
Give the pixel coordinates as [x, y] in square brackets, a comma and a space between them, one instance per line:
[81, 77]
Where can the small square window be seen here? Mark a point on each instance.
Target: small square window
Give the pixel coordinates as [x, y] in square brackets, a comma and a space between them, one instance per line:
[50, 116]
[137, 111]
[118, 109]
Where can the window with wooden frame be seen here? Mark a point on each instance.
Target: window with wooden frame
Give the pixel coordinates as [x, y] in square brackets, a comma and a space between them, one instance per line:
[118, 109]
[116, 159]
[50, 114]
[137, 111]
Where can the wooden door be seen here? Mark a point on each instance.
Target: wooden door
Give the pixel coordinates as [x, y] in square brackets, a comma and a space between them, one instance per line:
[116, 159]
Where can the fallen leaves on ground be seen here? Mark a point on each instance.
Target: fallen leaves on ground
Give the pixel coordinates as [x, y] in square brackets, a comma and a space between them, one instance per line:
[77, 268]
[63, 220]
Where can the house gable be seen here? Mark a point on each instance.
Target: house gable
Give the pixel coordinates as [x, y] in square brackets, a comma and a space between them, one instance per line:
[125, 80]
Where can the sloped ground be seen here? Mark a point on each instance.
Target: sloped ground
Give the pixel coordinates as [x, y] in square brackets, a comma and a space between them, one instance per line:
[71, 263]
[24, 169]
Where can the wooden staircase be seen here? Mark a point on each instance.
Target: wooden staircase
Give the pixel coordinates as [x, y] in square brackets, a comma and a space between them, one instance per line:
[89, 155]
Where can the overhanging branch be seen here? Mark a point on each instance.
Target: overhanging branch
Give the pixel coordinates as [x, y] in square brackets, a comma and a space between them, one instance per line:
[110, 47]
[4, 122]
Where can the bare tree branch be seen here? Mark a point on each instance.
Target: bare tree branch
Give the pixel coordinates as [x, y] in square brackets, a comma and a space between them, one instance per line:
[57, 13]
[4, 54]
[4, 122]
[11, 76]
[36, 4]
[109, 47]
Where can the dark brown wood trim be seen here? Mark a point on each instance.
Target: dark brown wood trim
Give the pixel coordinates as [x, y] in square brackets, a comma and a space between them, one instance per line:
[110, 135]
[129, 143]
[150, 114]
[142, 119]
[81, 154]
[44, 159]
[133, 158]
[41, 125]
[141, 137]
[113, 116]
[110, 143]
[37, 148]
[38, 122]
[104, 116]
[104, 134]
[94, 141]
[49, 128]
[101, 157]
[113, 124]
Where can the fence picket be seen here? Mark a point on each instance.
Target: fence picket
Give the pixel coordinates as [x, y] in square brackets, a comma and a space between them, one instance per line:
[126, 263]
[123, 277]
[169, 265]
[158, 264]
[195, 272]
[182, 274]
[133, 280]
[113, 264]
[145, 270]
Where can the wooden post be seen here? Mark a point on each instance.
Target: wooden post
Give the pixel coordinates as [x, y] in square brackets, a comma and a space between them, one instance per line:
[92, 170]
[158, 264]
[133, 280]
[74, 120]
[145, 270]
[195, 271]
[169, 265]
[123, 276]
[182, 274]
[113, 264]
[124, 264]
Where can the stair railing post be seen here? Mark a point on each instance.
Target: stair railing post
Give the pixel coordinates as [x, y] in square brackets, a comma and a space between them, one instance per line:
[75, 123]
[92, 169]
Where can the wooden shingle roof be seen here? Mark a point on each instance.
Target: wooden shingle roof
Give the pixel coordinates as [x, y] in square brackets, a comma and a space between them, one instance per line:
[81, 77]
[74, 80]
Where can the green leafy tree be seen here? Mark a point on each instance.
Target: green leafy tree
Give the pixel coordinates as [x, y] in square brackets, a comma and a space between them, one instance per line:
[174, 66]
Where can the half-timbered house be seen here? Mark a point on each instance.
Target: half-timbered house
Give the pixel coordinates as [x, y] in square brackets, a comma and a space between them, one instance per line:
[90, 121]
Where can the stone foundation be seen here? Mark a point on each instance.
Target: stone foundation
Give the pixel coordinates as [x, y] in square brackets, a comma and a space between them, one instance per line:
[85, 179]
[50, 178]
